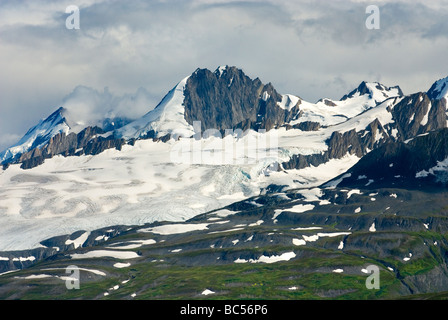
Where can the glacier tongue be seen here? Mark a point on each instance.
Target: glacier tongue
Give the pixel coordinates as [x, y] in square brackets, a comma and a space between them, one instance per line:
[136, 186]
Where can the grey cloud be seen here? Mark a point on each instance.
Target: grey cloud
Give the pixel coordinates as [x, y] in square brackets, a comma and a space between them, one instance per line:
[88, 103]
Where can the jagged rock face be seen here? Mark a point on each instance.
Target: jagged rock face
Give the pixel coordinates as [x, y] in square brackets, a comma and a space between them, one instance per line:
[414, 115]
[398, 163]
[438, 90]
[305, 126]
[341, 144]
[231, 100]
[328, 102]
[364, 89]
[417, 114]
[85, 142]
[300, 161]
[98, 145]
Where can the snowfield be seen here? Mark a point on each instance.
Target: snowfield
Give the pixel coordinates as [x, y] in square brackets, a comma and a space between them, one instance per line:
[105, 253]
[269, 259]
[140, 184]
[177, 180]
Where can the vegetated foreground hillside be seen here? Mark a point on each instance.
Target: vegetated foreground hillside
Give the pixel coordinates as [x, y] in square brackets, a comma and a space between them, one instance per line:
[299, 244]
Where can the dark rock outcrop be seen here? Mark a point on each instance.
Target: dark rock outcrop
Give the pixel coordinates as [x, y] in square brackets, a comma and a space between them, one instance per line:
[417, 114]
[231, 100]
[398, 163]
[305, 126]
[341, 144]
[89, 141]
[413, 115]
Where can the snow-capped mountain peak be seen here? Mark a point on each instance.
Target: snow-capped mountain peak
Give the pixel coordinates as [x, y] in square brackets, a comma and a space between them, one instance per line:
[375, 90]
[38, 135]
[223, 99]
[166, 118]
[220, 70]
[329, 112]
[439, 89]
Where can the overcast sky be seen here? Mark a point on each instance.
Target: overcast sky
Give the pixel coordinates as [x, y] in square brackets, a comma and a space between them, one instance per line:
[137, 50]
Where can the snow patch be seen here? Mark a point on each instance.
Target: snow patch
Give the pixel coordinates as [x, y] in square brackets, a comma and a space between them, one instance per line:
[176, 228]
[299, 242]
[121, 265]
[299, 208]
[79, 241]
[265, 96]
[424, 121]
[306, 228]
[269, 259]
[105, 253]
[23, 259]
[288, 102]
[334, 184]
[354, 191]
[338, 270]
[134, 244]
[207, 292]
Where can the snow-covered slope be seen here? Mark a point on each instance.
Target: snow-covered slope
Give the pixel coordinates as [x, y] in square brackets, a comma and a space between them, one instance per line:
[329, 112]
[38, 135]
[376, 91]
[439, 90]
[139, 184]
[169, 116]
[84, 107]
[166, 118]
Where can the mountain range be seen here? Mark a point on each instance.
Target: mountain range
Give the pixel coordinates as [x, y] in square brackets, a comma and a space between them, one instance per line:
[333, 164]
[364, 119]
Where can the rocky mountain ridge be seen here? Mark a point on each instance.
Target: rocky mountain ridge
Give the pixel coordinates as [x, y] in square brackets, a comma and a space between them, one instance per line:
[228, 99]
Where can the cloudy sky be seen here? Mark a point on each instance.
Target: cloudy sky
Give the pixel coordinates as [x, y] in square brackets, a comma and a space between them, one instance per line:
[128, 54]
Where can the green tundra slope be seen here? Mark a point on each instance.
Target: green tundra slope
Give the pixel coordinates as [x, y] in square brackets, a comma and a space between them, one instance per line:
[298, 244]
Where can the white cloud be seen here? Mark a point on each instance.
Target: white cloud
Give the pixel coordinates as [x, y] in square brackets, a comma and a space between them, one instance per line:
[8, 139]
[87, 106]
